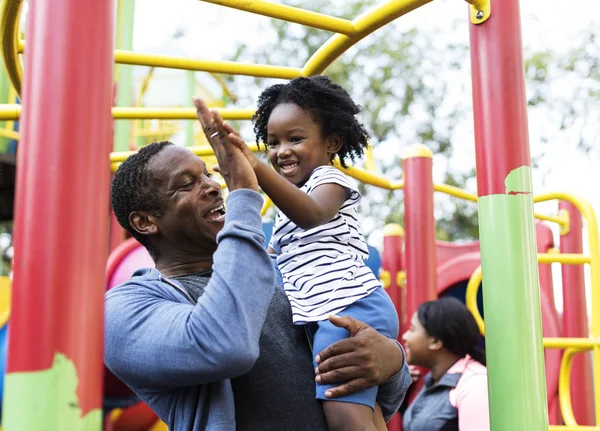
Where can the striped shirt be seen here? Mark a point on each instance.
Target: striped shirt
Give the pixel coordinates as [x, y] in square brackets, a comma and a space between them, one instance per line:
[322, 268]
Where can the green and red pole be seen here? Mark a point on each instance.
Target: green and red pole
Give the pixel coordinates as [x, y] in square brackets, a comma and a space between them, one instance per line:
[574, 318]
[516, 377]
[55, 359]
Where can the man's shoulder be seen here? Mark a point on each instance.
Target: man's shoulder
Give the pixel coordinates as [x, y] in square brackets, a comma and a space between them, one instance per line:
[143, 282]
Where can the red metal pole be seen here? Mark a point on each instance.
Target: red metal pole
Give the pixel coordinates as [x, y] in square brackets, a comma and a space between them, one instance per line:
[419, 223]
[391, 265]
[574, 318]
[55, 359]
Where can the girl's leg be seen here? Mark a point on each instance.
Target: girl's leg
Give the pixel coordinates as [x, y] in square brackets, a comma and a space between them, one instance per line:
[378, 419]
[351, 412]
[344, 416]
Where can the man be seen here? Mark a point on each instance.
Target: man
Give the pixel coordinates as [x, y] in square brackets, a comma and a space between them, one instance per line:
[206, 338]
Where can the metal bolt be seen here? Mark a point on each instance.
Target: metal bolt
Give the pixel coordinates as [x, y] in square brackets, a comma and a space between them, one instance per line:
[479, 14]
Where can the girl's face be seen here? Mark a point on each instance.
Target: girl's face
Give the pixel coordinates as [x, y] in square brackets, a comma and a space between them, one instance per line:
[418, 344]
[295, 143]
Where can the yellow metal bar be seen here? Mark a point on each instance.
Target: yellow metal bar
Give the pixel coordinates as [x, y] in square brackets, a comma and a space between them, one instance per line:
[364, 25]
[480, 10]
[587, 211]
[4, 318]
[228, 67]
[370, 178]
[213, 66]
[268, 204]
[13, 112]
[370, 159]
[554, 219]
[144, 87]
[455, 191]
[566, 343]
[462, 194]
[10, 125]
[290, 14]
[174, 113]
[10, 134]
[475, 282]
[10, 11]
[471, 298]
[564, 387]
[566, 258]
[10, 111]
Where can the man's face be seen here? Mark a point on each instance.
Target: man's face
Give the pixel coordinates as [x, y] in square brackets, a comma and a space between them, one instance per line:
[191, 206]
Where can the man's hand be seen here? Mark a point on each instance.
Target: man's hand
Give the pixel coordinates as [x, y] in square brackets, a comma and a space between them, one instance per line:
[233, 164]
[415, 373]
[363, 360]
[246, 151]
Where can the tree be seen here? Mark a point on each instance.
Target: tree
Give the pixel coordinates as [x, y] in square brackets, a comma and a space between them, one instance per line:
[565, 89]
[414, 87]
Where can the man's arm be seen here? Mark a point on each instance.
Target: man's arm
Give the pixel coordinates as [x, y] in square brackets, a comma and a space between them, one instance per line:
[392, 392]
[364, 360]
[152, 342]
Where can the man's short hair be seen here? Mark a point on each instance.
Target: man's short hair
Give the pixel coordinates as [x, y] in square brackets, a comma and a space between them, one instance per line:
[131, 191]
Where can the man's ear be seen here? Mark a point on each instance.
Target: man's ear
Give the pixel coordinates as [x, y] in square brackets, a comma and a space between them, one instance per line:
[334, 144]
[143, 222]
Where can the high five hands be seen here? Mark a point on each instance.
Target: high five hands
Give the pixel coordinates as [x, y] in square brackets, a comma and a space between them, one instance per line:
[236, 160]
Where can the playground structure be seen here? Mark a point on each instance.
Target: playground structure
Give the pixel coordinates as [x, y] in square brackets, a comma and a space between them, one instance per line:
[71, 188]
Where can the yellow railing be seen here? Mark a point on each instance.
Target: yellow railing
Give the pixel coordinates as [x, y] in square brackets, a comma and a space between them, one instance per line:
[347, 34]
[571, 345]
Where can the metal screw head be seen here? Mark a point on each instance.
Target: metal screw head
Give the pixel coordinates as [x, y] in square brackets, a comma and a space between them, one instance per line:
[479, 14]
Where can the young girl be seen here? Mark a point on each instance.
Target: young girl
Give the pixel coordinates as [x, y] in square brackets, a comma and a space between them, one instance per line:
[305, 124]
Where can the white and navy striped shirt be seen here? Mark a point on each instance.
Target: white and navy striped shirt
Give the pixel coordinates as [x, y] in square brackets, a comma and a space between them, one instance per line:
[322, 268]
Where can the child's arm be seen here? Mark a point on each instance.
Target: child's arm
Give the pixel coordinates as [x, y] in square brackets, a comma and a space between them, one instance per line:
[270, 250]
[306, 211]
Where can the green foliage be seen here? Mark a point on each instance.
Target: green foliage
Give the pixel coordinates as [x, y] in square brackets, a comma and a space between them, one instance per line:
[414, 87]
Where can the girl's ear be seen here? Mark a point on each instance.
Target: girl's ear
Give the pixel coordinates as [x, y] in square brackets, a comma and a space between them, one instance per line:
[436, 344]
[334, 144]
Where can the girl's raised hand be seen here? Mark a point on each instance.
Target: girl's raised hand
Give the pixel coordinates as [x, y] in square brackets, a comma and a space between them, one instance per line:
[235, 139]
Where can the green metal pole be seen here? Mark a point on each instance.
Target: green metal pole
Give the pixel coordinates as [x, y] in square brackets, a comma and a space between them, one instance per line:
[124, 73]
[516, 375]
[4, 90]
[189, 125]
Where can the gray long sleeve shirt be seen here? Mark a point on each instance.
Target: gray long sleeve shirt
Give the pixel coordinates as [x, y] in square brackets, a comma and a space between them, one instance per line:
[180, 354]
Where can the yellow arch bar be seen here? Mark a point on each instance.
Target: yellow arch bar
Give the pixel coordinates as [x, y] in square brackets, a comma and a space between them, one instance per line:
[290, 14]
[348, 33]
[364, 25]
[10, 10]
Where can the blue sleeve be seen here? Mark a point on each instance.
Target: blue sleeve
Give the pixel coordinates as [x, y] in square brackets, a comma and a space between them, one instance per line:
[154, 342]
[391, 394]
